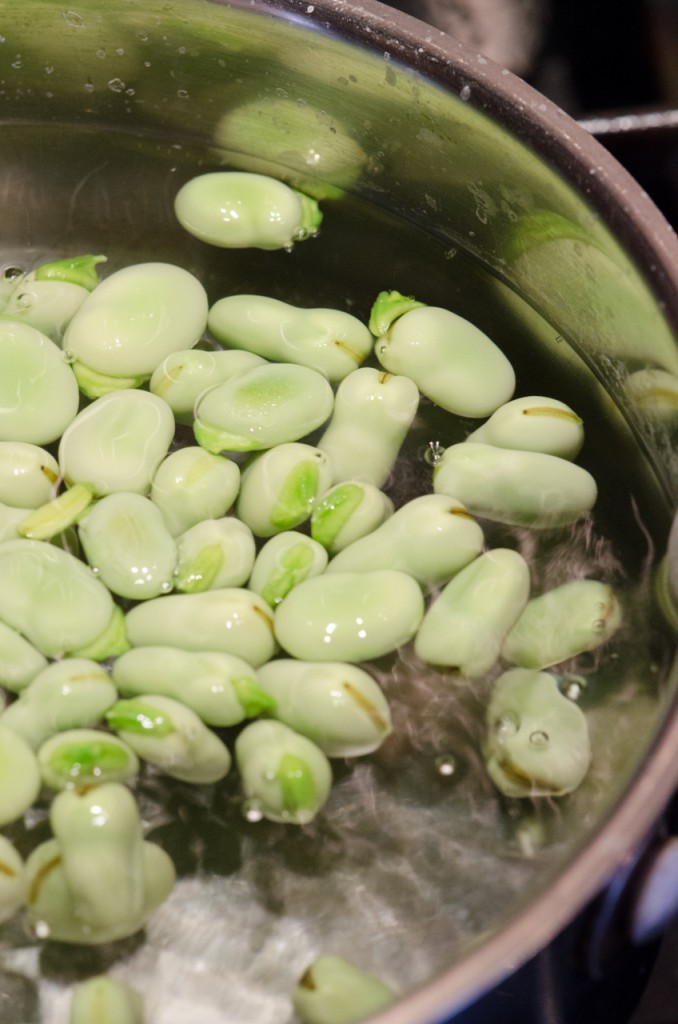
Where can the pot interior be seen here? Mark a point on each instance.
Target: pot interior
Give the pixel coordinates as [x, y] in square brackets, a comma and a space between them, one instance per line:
[416, 860]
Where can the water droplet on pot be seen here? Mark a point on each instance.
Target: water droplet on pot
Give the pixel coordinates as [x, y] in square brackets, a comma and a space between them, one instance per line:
[74, 19]
[116, 85]
[507, 724]
[433, 453]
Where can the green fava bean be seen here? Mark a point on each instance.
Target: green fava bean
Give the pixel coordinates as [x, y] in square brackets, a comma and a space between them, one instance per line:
[431, 538]
[220, 688]
[117, 442]
[57, 515]
[451, 361]
[106, 1001]
[286, 777]
[28, 474]
[348, 616]
[67, 694]
[233, 621]
[191, 485]
[516, 487]
[465, 626]
[19, 776]
[49, 306]
[537, 740]
[20, 662]
[576, 617]
[259, 408]
[135, 318]
[127, 544]
[38, 392]
[182, 377]
[214, 554]
[85, 757]
[51, 598]
[348, 512]
[373, 411]
[237, 210]
[533, 424]
[338, 706]
[334, 991]
[171, 736]
[329, 341]
[98, 880]
[12, 880]
[279, 488]
[283, 562]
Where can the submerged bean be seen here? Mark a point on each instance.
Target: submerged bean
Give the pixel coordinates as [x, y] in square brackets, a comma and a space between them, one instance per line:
[516, 487]
[279, 488]
[28, 474]
[431, 538]
[171, 736]
[451, 360]
[182, 377]
[465, 626]
[19, 776]
[283, 562]
[20, 661]
[38, 391]
[117, 442]
[573, 618]
[333, 991]
[534, 424]
[12, 880]
[327, 340]
[126, 542]
[270, 404]
[373, 411]
[105, 1001]
[67, 694]
[135, 318]
[49, 306]
[233, 621]
[221, 688]
[214, 554]
[85, 757]
[191, 484]
[284, 775]
[349, 616]
[237, 210]
[338, 706]
[347, 512]
[537, 740]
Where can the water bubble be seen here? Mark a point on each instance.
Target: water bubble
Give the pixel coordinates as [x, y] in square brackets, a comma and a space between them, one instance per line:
[12, 273]
[539, 739]
[446, 764]
[95, 570]
[507, 724]
[166, 587]
[433, 453]
[101, 54]
[42, 929]
[89, 87]
[182, 94]
[17, 63]
[572, 687]
[465, 93]
[449, 254]
[24, 301]
[69, 355]
[74, 19]
[116, 85]
[251, 811]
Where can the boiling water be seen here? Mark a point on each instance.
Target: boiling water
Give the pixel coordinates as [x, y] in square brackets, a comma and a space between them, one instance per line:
[415, 857]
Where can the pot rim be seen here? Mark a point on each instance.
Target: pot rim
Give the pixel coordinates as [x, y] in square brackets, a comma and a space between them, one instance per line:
[648, 239]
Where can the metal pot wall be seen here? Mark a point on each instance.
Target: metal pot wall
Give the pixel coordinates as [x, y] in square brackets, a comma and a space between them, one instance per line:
[443, 176]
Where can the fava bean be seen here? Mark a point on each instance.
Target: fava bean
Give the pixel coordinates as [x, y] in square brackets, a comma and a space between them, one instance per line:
[451, 361]
[338, 706]
[47, 305]
[105, 1001]
[516, 487]
[182, 377]
[220, 688]
[259, 408]
[19, 776]
[79, 270]
[333, 991]
[56, 515]
[214, 554]
[327, 340]
[533, 424]
[537, 740]
[284, 561]
[347, 512]
[285, 776]
[172, 737]
[233, 621]
[349, 616]
[373, 411]
[237, 210]
[127, 544]
[466, 624]
[28, 474]
[279, 488]
[20, 661]
[85, 757]
[573, 618]
[190, 485]
[117, 442]
[12, 880]
[431, 538]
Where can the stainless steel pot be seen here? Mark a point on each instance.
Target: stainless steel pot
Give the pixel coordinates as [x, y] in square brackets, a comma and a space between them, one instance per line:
[444, 176]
